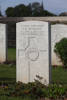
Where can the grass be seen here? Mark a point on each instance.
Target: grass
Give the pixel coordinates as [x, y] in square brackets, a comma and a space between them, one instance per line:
[14, 98]
[59, 75]
[8, 71]
[8, 74]
[12, 54]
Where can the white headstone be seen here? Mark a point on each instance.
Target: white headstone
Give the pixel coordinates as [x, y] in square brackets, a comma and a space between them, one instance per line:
[58, 31]
[33, 51]
[2, 43]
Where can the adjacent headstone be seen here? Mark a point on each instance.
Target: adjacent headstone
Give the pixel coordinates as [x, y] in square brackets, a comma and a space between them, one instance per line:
[3, 48]
[58, 31]
[33, 60]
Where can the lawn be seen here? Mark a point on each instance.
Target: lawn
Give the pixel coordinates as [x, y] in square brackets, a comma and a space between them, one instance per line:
[12, 54]
[8, 71]
[8, 75]
[59, 75]
[14, 98]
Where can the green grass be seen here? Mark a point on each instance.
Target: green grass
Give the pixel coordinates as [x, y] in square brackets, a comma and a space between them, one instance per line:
[14, 98]
[8, 72]
[59, 75]
[11, 54]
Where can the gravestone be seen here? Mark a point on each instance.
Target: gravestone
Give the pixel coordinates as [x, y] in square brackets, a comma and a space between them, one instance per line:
[3, 54]
[58, 31]
[33, 56]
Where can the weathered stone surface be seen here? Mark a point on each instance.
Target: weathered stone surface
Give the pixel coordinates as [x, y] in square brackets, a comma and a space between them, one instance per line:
[46, 19]
[33, 51]
[2, 43]
[58, 31]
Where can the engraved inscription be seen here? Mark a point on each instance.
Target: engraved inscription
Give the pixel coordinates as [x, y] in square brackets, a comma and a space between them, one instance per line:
[32, 51]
